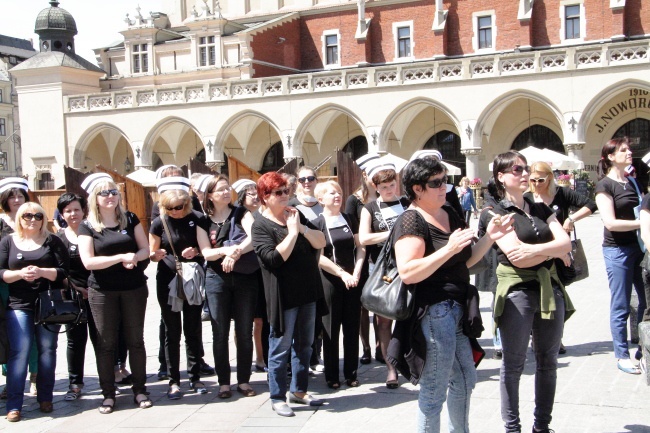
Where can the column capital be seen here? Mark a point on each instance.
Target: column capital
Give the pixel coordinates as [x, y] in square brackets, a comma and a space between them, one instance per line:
[471, 151]
[574, 146]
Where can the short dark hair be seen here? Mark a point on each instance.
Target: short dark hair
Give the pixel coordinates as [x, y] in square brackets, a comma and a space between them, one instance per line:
[612, 146]
[418, 172]
[384, 176]
[67, 198]
[4, 197]
[502, 162]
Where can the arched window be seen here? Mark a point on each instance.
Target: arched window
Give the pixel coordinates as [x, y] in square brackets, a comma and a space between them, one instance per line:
[357, 147]
[638, 131]
[274, 158]
[448, 144]
[538, 136]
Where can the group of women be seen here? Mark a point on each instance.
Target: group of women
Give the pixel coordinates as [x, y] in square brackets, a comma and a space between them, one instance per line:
[302, 268]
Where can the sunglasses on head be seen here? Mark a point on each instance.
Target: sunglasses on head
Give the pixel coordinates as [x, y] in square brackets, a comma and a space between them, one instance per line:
[107, 192]
[540, 180]
[171, 208]
[33, 216]
[281, 192]
[306, 179]
[517, 169]
[437, 183]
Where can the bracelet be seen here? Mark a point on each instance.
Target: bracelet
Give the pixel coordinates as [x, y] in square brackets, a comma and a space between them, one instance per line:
[571, 219]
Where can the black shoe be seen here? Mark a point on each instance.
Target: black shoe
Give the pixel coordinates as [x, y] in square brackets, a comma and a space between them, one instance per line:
[162, 375]
[546, 430]
[498, 354]
[562, 350]
[206, 370]
[367, 357]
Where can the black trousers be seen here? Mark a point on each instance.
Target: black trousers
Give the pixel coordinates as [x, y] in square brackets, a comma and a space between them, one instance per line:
[76, 350]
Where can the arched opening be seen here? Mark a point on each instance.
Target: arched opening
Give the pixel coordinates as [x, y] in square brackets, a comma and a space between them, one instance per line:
[538, 136]
[357, 147]
[638, 131]
[448, 144]
[273, 159]
[224, 168]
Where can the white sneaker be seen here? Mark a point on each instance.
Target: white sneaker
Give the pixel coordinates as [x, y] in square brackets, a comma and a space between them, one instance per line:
[317, 367]
[643, 367]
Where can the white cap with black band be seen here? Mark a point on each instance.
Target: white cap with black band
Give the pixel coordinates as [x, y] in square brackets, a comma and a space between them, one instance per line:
[363, 162]
[13, 182]
[201, 184]
[242, 184]
[92, 180]
[174, 182]
[373, 169]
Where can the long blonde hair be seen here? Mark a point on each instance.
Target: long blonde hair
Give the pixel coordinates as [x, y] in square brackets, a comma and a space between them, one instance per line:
[32, 207]
[545, 169]
[95, 217]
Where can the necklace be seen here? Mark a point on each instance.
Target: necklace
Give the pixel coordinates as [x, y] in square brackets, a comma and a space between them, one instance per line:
[623, 184]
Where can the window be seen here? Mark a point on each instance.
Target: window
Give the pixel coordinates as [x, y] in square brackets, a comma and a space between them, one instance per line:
[484, 32]
[332, 49]
[3, 127]
[572, 22]
[0, 95]
[140, 59]
[403, 42]
[12, 60]
[207, 51]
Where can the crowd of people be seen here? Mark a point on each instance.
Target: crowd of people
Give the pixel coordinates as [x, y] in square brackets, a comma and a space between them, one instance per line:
[285, 258]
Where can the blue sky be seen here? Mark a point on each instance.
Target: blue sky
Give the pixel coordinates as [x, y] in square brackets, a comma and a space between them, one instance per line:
[98, 21]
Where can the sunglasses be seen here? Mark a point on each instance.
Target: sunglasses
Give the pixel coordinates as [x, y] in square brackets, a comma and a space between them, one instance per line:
[437, 183]
[306, 179]
[538, 181]
[517, 169]
[171, 208]
[107, 192]
[33, 216]
[281, 192]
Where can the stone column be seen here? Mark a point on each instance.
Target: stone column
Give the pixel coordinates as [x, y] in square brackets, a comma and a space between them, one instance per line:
[574, 150]
[472, 161]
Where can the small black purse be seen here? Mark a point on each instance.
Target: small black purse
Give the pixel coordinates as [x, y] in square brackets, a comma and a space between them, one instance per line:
[60, 306]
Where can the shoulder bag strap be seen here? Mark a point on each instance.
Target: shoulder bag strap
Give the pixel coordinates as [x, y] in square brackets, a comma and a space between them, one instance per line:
[169, 237]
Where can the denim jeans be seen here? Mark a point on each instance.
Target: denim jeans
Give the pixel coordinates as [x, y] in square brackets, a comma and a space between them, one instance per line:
[22, 331]
[110, 310]
[76, 350]
[623, 272]
[449, 372]
[521, 315]
[232, 296]
[297, 337]
[186, 322]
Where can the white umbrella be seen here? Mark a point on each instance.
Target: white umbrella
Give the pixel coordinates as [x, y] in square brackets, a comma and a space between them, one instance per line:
[144, 176]
[557, 161]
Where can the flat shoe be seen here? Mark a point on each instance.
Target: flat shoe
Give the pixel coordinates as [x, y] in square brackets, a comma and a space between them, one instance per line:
[392, 384]
[72, 394]
[309, 400]
[198, 387]
[224, 394]
[281, 408]
[352, 383]
[333, 384]
[107, 408]
[46, 406]
[144, 402]
[629, 370]
[250, 392]
[13, 416]
[174, 392]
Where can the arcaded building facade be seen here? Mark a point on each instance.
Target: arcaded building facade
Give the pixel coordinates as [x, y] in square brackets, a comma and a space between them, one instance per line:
[265, 81]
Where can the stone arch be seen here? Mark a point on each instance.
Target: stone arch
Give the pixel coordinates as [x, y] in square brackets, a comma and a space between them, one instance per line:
[167, 129]
[111, 137]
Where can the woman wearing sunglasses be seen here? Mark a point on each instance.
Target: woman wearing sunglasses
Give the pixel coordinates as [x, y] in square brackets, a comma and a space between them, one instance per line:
[434, 250]
[31, 261]
[377, 218]
[618, 198]
[529, 295]
[287, 246]
[184, 317]
[113, 246]
[230, 294]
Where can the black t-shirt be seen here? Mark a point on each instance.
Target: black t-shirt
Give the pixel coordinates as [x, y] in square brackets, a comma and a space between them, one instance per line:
[565, 199]
[218, 234]
[339, 235]
[353, 208]
[383, 222]
[531, 228]
[78, 273]
[183, 232]
[298, 278]
[625, 199]
[111, 241]
[450, 280]
[52, 254]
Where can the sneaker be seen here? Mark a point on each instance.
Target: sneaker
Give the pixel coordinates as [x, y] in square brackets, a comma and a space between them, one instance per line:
[198, 387]
[317, 367]
[174, 392]
[32, 384]
[206, 370]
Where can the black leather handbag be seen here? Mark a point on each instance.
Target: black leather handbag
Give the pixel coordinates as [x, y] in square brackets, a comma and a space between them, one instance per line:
[579, 268]
[385, 293]
[59, 306]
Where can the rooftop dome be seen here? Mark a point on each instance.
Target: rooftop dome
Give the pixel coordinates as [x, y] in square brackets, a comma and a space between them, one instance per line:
[55, 18]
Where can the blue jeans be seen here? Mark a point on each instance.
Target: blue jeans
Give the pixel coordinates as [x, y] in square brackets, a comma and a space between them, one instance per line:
[22, 331]
[232, 296]
[298, 336]
[623, 272]
[449, 366]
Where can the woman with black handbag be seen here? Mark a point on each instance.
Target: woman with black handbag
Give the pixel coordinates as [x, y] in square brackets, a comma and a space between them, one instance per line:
[114, 247]
[173, 235]
[433, 251]
[31, 261]
[230, 294]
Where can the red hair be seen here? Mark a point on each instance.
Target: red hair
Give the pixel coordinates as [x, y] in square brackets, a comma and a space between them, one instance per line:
[268, 182]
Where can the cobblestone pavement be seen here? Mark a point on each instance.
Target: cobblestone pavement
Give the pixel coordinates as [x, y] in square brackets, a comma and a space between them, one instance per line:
[592, 395]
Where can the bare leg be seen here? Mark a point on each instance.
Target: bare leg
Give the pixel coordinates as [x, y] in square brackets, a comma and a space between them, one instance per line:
[384, 329]
[257, 338]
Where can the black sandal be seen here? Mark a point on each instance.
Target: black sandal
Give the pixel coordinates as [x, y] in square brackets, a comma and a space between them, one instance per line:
[352, 383]
[105, 409]
[142, 403]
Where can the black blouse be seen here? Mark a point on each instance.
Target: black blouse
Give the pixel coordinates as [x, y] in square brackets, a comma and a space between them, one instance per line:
[339, 241]
[566, 198]
[183, 233]
[78, 273]
[378, 224]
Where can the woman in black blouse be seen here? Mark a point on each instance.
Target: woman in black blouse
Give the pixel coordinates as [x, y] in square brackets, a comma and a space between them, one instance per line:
[176, 207]
[114, 248]
[341, 263]
[31, 261]
[230, 294]
[73, 210]
[287, 245]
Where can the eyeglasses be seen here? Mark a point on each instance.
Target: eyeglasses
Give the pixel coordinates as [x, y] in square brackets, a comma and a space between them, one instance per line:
[538, 181]
[517, 169]
[107, 192]
[437, 183]
[252, 194]
[33, 216]
[306, 179]
[171, 208]
[280, 192]
[222, 189]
